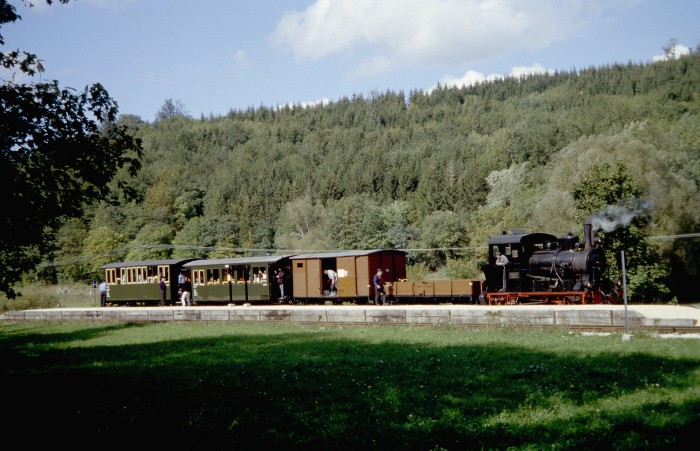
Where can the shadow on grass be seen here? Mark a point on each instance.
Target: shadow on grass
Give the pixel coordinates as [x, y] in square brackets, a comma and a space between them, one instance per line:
[304, 391]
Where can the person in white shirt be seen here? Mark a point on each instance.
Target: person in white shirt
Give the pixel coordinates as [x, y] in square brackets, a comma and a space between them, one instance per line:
[502, 260]
[333, 278]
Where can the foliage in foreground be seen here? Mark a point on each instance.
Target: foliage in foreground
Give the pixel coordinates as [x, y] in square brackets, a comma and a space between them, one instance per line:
[59, 149]
[303, 387]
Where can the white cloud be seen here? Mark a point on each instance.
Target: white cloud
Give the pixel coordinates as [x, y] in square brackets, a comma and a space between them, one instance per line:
[429, 32]
[306, 104]
[675, 52]
[471, 77]
[537, 68]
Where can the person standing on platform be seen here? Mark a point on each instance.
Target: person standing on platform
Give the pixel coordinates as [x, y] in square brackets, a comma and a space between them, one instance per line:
[103, 294]
[163, 290]
[187, 292]
[379, 293]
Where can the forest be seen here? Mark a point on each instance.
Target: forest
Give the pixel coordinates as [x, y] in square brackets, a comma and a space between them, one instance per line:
[432, 172]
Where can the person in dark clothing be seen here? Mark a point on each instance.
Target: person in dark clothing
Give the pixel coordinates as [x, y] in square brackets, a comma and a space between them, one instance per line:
[163, 290]
[280, 282]
[379, 293]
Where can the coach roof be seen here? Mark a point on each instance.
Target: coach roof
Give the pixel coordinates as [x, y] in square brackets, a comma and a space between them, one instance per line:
[238, 261]
[340, 254]
[175, 261]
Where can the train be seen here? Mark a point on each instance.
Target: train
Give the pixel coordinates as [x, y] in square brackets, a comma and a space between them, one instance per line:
[541, 268]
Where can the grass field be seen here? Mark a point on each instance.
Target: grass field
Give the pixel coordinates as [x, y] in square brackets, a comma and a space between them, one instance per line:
[36, 296]
[258, 386]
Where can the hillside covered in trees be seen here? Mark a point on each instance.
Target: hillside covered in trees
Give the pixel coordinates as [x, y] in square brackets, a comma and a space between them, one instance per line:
[434, 172]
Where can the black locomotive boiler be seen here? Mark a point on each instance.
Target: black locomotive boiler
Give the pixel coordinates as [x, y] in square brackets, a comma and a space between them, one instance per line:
[543, 268]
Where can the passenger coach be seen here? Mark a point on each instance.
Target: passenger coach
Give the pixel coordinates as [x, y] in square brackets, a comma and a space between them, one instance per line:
[237, 280]
[138, 282]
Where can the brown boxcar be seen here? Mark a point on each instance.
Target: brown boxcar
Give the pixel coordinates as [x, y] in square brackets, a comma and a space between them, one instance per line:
[355, 271]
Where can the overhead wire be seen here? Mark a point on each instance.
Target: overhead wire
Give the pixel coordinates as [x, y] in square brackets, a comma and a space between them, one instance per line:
[271, 251]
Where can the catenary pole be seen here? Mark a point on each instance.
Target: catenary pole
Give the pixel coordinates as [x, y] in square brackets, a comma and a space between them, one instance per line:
[624, 291]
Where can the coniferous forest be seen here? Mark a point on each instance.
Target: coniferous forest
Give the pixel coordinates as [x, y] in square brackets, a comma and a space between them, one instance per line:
[435, 173]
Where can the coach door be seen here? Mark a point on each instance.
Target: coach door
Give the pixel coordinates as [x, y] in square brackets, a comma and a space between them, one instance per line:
[347, 277]
[314, 278]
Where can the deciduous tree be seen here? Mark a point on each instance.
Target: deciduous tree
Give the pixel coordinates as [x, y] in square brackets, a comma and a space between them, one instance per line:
[59, 148]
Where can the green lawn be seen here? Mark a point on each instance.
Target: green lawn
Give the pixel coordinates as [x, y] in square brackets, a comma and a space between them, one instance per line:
[259, 386]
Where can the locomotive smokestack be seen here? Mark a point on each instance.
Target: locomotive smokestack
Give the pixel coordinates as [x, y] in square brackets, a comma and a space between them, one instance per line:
[588, 236]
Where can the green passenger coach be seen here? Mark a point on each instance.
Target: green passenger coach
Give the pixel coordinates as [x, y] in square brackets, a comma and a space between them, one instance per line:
[138, 282]
[237, 280]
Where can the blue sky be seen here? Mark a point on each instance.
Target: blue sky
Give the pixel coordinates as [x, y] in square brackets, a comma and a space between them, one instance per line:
[220, 55]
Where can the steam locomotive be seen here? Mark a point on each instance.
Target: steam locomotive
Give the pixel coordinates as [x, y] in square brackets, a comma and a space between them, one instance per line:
[545, 269]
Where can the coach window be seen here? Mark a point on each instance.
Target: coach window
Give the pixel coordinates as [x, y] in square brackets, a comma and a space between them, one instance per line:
[164, 272]
[198, 276]
[256, 274]
[213, 276]
[494, 251]
[508, 250]
[111, 276]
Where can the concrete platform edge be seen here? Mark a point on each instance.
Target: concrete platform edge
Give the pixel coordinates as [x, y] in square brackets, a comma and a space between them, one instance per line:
[648, 317]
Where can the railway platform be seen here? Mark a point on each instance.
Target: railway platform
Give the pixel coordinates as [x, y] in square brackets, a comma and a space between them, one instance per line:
[609, 318]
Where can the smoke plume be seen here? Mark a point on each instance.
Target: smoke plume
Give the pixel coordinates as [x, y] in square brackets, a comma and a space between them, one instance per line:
[615, 216]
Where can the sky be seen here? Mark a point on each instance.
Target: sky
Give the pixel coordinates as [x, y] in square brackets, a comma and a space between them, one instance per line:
[217, 56]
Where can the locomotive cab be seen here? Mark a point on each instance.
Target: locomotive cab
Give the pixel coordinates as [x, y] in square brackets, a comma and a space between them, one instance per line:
[518, 246]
